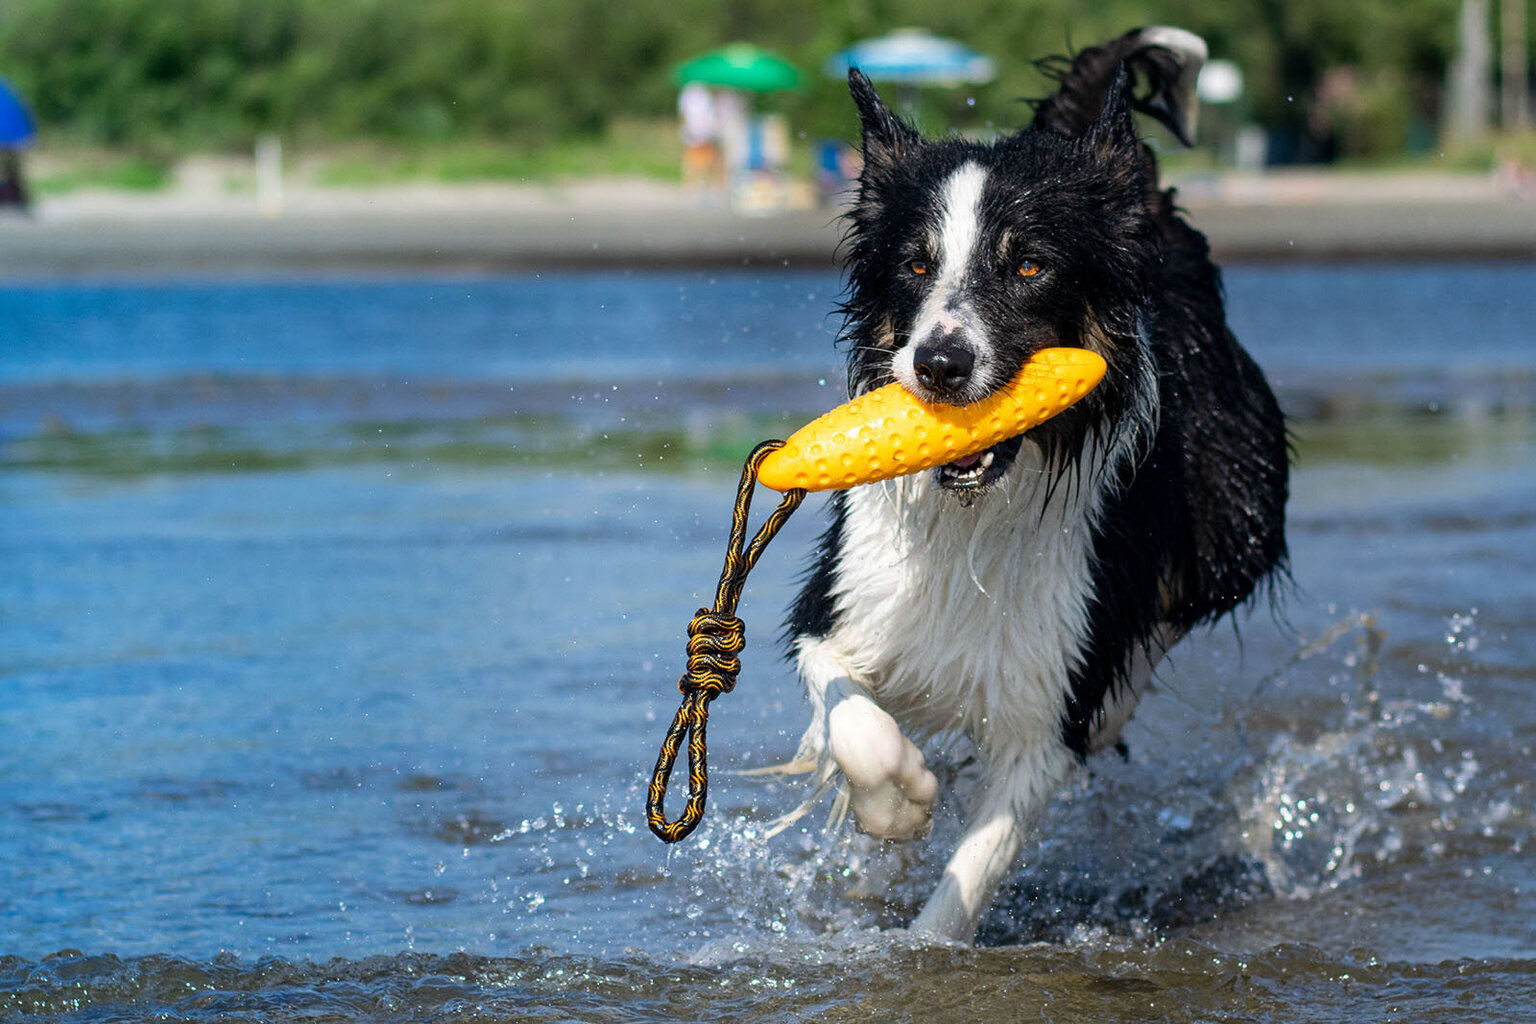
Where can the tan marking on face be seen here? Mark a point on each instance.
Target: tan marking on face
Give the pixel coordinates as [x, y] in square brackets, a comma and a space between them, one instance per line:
[1005, 245]
[1096, 339]
[932, 243]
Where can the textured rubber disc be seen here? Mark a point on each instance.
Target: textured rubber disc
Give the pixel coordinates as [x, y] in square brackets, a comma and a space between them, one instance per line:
[888, 433]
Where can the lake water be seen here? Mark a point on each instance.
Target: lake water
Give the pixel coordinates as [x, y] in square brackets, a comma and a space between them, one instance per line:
[340, 622]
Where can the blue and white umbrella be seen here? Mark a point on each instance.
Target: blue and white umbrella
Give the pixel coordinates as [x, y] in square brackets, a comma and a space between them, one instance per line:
[914, 56]
[16, 128]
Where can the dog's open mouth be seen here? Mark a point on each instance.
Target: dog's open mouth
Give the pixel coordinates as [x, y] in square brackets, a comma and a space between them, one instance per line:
[974, 472]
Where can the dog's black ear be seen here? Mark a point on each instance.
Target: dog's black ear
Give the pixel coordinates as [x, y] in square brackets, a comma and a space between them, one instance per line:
[887, 138]
[1114, 132]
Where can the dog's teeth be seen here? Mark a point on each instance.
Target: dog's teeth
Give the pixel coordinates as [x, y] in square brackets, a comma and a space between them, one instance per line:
[986, 460]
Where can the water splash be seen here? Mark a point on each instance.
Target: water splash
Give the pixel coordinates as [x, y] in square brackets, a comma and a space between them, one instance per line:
[1321, 772]
[1380, 786]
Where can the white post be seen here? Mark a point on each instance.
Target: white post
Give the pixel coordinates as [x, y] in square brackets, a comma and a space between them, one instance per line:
[1514, 94]
[269, 176]
[1469, 78]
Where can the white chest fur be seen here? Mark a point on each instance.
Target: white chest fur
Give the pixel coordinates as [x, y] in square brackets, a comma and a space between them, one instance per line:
[966, 618]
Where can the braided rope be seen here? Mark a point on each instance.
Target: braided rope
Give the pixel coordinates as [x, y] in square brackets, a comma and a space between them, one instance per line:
[715, 638]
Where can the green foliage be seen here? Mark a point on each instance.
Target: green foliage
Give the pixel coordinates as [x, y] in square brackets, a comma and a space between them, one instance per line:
[1510, 149]
[642, 149]
[160, 76]
[131, 174]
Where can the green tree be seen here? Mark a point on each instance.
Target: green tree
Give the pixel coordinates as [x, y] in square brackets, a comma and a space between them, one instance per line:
[208, 74]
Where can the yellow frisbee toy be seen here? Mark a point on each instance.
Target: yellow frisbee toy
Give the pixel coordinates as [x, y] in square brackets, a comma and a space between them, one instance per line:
[882, 434]
[888, 432]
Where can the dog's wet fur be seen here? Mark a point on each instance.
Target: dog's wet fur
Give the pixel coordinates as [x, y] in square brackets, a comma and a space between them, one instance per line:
[1022, 598]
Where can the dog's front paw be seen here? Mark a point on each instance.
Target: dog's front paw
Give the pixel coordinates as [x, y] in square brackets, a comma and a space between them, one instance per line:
[890, 789]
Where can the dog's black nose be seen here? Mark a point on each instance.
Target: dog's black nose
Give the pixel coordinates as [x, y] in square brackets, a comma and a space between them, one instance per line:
[943, 368]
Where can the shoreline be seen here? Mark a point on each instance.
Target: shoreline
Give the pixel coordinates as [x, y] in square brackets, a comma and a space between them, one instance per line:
[629, 224]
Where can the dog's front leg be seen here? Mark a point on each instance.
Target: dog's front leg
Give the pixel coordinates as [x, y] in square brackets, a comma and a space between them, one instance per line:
[1014, 792]
[890, 789]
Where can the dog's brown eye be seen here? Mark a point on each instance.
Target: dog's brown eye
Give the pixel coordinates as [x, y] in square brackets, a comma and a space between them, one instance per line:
[1028, 268]
[918, 267]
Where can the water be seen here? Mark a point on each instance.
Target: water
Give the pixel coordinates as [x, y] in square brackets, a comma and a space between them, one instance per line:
[339, 624]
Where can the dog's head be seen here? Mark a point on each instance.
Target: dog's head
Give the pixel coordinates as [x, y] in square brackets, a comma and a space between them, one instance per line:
[965, 258]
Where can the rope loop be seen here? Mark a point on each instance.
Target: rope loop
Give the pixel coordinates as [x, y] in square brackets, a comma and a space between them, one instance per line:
[715, 638]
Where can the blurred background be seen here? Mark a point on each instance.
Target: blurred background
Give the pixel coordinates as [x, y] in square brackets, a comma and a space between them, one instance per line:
[134, 93]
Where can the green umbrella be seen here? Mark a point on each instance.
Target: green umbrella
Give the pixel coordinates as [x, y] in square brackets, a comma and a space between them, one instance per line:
[739, 66]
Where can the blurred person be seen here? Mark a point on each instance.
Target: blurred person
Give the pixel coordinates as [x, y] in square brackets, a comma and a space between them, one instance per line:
[700, 132]
[13, 188]
[773, 143]
[734, 120]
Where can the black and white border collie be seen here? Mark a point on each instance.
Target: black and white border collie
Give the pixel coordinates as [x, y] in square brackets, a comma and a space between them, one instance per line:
[1021, 598]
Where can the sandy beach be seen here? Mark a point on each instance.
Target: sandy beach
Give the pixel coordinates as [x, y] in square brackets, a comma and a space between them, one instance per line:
[203, 229]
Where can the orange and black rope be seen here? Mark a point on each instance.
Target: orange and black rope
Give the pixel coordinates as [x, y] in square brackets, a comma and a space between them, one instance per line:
[715, 639]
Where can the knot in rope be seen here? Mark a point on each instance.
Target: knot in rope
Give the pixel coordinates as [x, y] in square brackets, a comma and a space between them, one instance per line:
[715, 638]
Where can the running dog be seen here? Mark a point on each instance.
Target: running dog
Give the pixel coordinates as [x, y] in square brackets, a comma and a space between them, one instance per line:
[1021, 598]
